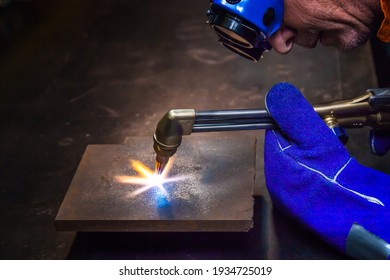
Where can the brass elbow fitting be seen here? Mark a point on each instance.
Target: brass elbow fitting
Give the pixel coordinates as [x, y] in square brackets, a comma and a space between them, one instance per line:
[170, 129]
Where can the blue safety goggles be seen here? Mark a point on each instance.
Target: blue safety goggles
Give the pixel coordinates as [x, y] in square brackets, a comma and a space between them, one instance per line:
[243, 26]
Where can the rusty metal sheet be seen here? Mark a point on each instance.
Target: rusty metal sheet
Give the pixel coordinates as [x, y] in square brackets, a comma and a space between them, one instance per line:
[214, 195]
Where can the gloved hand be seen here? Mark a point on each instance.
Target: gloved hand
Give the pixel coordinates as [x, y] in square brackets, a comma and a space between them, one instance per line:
[311, 176]
[380, 141]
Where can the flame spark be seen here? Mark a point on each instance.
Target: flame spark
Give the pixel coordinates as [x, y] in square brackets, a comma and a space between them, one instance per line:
[148, 179]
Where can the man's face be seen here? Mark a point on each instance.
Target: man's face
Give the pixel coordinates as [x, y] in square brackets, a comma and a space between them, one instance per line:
[344, 24]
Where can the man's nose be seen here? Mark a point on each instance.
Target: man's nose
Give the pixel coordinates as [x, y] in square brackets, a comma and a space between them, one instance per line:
[282, 40]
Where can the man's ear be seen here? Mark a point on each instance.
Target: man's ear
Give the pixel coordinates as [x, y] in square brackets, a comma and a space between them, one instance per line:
[282, 40]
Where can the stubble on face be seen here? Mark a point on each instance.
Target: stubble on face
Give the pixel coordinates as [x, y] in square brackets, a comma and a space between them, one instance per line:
[343, 24]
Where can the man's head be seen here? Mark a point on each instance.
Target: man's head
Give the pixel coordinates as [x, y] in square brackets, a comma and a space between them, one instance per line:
[344, 24]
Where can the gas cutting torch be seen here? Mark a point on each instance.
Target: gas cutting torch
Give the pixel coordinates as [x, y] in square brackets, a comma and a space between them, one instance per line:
[371, 109]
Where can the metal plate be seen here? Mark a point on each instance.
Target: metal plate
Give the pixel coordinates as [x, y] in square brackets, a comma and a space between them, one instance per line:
[215, 195]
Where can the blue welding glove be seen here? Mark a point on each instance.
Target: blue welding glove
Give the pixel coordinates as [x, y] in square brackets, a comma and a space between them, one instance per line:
[312, 177]
[380, 141]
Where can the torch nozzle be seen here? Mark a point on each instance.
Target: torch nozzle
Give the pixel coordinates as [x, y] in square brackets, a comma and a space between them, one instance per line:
[161, 163]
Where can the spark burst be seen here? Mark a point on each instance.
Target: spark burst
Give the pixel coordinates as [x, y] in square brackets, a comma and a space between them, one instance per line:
[148, 179]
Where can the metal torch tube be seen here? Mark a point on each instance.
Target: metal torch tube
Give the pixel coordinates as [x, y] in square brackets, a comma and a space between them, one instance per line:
[231, 114]
[232, 120]
[232, 127]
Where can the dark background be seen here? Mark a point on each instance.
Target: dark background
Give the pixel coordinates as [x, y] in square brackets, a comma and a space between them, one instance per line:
[74, 73]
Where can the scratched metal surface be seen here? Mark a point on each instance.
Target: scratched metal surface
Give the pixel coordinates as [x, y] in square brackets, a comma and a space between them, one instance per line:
[215, 193]
[111, 69]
